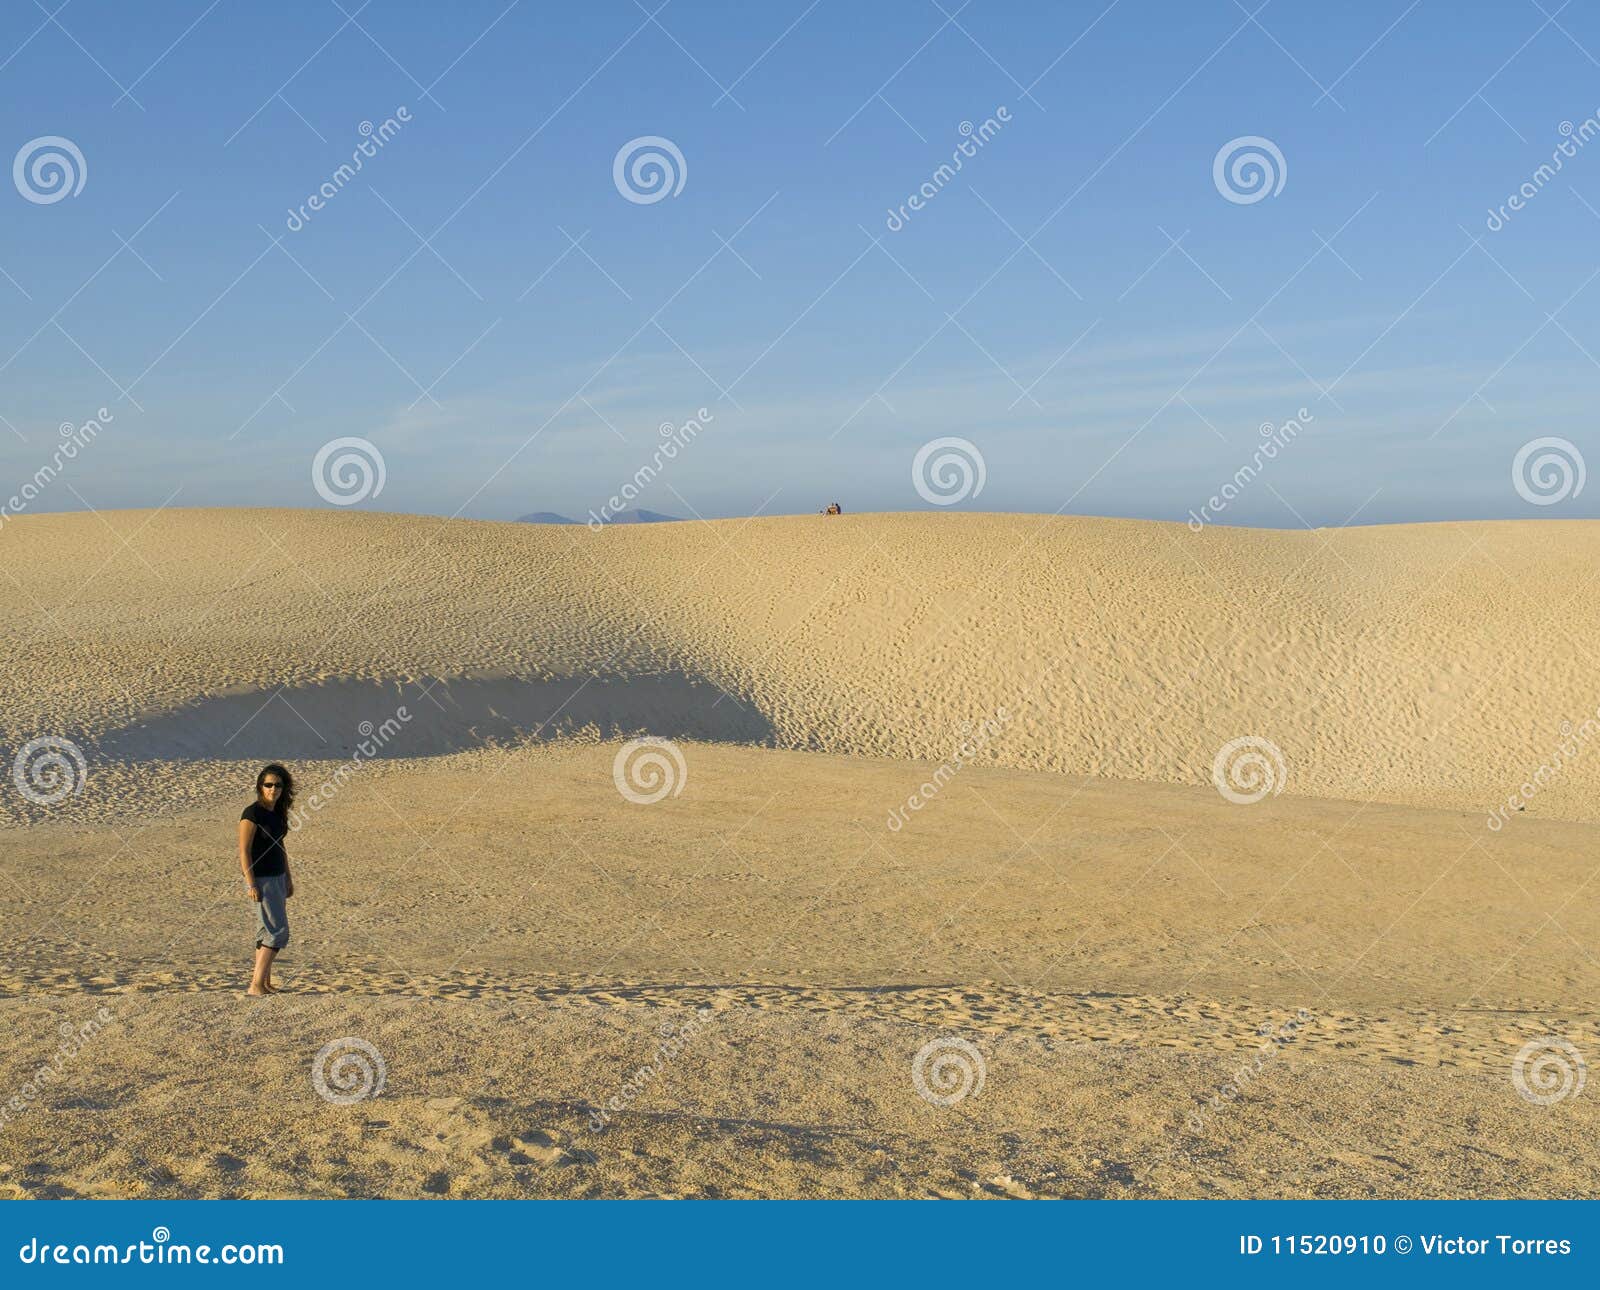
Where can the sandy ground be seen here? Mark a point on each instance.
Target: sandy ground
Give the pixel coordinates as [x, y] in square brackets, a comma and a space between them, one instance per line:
[1076, 970]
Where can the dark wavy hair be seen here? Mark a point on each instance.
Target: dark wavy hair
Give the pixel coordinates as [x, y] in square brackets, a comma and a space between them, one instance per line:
[286, 798]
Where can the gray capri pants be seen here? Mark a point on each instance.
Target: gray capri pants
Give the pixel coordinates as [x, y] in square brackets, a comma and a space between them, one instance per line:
[272, 913]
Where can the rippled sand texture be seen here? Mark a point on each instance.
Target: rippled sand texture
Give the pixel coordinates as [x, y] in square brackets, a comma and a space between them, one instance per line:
[1431, 664]
[1076, 970]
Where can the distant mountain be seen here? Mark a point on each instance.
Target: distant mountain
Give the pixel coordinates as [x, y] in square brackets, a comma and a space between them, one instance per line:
[621, 517]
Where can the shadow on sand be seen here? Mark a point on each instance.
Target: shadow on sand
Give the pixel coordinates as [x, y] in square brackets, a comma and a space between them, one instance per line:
[431, 717]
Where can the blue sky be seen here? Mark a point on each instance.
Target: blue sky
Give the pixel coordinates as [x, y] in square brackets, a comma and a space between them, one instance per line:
[1036, 306]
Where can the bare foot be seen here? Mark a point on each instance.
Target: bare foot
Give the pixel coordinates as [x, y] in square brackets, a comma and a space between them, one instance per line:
[256, 993]
[274, 989]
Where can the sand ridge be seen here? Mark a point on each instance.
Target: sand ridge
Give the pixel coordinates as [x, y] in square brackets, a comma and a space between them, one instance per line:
[1435, 664]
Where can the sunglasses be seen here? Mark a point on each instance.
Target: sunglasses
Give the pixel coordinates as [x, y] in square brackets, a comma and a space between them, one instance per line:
[272, 783]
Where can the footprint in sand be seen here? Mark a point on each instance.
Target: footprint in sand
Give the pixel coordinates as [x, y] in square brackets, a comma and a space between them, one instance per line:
[536, 1147]
[1006, 1185]
[463, 1129]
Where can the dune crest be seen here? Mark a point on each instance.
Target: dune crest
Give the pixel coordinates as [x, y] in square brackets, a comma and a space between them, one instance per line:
[1427, 664]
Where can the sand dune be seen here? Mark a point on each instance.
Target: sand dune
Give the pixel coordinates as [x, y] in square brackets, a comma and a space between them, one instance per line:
[1428, 664]
[1151, 990]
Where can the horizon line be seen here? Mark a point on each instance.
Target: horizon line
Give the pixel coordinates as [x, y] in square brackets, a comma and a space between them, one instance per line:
[721, 519]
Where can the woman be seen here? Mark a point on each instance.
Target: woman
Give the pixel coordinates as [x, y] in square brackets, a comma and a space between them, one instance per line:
[265, 863]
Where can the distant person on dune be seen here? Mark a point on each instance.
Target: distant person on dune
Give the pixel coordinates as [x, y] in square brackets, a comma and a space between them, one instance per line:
[834, 509]
[265, 863]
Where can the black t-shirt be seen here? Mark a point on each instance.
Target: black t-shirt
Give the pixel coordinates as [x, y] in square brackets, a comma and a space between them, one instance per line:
[267, 859]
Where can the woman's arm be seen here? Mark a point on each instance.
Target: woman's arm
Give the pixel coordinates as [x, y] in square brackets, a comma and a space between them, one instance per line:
[247, 833]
